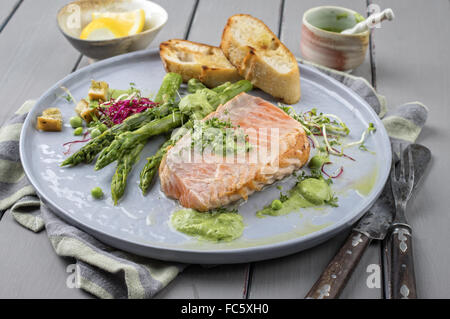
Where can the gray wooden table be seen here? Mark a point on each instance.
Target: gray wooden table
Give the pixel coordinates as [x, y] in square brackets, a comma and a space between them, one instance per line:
[408, 61]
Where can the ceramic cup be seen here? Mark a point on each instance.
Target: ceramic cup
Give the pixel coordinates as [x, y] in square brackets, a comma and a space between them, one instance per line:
[322, 43]
[73, 17]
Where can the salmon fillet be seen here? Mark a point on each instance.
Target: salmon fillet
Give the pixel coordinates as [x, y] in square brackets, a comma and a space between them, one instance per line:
[278, 147]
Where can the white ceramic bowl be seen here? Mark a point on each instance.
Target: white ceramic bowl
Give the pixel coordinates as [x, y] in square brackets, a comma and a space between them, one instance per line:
[73, 17]
[332, 49]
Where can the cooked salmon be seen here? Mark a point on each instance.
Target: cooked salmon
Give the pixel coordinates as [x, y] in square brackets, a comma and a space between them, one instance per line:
[278, 147]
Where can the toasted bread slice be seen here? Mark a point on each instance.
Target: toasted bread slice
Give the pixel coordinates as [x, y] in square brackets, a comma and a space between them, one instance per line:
[260, 57]
[200, 61]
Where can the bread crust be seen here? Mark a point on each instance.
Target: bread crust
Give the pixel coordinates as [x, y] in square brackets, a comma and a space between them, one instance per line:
[256, 59]
[196, 60]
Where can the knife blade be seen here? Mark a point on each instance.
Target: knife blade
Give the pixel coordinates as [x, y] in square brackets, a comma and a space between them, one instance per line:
[374, 225]
[421, 158]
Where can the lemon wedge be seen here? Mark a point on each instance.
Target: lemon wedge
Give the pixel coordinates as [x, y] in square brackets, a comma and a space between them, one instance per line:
[110, 25]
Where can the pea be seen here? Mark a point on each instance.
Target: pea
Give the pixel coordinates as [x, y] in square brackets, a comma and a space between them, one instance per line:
[102, 127]
[95, 132]
[276, 204]
[97, 193]
[76, 121]
[78, 131]
[317, 161]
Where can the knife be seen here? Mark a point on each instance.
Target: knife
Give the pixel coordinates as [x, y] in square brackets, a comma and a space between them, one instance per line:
[421, 158]
[374, 225]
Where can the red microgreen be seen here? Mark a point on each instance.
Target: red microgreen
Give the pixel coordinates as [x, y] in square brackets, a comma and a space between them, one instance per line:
[118, 110]
[311, 142]
[74, 142]
[343, 154]
[335, 175]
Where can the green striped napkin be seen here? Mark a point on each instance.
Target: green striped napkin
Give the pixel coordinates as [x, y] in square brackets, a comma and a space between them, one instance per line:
[109, 273]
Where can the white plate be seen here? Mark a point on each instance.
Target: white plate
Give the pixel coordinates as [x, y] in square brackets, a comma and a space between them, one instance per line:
[141, 224]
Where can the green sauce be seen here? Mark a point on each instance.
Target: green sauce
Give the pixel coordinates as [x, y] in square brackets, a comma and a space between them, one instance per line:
[316, 191]
[341, 16]
[211, 226]
[196, 104]
[294, 202]
[333, 29]
[359, 18]
[335, 21]
[308, 193]
[365, 184]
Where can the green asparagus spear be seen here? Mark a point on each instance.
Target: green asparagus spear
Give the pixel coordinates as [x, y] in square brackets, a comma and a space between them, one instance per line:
[150, 168]
[194, 85]
[152, 165]
[124, 166]
[88, 152]
[168, 91]
[230, 92]
[221, 88]
[128, 140]
[166, 95]
[204, 101]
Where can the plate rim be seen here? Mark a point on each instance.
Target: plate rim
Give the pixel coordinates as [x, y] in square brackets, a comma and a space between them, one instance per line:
[222, 255]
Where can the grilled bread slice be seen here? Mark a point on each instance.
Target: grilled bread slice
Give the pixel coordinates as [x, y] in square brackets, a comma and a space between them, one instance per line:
[260, 57]
[195, 60]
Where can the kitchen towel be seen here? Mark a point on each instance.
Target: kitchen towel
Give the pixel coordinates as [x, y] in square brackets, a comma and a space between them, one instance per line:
[110, 273]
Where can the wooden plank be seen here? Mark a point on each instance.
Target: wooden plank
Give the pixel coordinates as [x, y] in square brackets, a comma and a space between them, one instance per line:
[412, 63]
[7, 8]
[29, 266]
[180, 16]
[293, 276]
[218, 282]
[34, 54]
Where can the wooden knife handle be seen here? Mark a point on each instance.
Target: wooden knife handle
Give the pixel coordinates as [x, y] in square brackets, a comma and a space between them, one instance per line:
[386, 267]
[336, 275]
[403, 281]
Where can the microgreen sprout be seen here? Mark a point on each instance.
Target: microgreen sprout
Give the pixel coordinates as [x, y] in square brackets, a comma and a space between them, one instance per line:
[330, 127]
[360, 143]
[69, 97]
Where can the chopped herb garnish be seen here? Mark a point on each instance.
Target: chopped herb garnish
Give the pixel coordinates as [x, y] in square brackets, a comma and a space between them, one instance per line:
[221, 137]
[283, 197]
[332, 202]
[221, 210]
